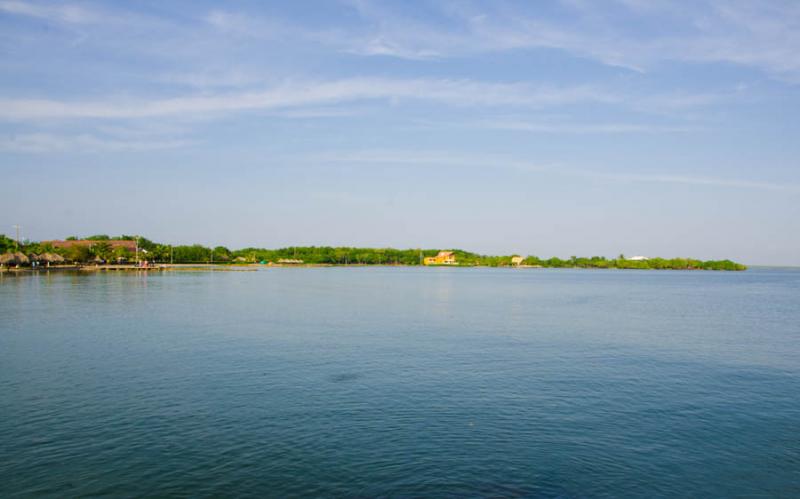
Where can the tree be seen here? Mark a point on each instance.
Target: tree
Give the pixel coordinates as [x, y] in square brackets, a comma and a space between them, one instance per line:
[121, 254]
[159, 253]
[191, 254]
[6, 244]
[102, 250]
[79, 253]
[533, 261]
[221, 254]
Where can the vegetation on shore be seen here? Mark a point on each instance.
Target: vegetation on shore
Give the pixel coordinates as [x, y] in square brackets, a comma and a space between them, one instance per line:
[101, 250]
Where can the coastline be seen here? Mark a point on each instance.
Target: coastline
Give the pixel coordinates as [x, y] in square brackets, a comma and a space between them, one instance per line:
[251, 267]
[123, 252]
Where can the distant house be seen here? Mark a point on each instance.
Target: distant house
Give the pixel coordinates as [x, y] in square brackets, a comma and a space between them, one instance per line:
[290, 261]
[128, 245]
[638, 258]
[517, 260]
[443, 258]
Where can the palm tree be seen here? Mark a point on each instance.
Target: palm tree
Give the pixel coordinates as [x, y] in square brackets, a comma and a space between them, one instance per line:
[102, 250]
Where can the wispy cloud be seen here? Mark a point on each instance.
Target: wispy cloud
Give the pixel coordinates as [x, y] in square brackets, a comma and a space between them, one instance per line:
[421, 158]
[765, 36]
[703, 181]
[273, 29]
[209, 80]
[38, 143]
[461, 160]
[72, 14]
[553, 127]
[760, 35]
[291, 95]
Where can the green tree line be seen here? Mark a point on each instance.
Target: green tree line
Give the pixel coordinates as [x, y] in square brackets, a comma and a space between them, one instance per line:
[102, 250]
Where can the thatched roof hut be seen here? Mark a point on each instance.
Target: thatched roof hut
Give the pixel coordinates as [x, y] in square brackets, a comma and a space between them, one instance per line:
[51, 258]
[16, 258]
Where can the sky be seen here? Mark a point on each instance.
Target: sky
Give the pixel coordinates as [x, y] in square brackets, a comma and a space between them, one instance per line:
[551, 128]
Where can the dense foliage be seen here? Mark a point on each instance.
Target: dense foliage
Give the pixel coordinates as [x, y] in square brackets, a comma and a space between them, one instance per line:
[102, 250]
[6, 244]
[599, 262]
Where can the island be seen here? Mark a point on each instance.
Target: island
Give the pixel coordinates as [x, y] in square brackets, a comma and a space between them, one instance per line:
[136, 251]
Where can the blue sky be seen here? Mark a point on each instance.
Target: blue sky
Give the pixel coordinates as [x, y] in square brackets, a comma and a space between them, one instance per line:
[548, 128]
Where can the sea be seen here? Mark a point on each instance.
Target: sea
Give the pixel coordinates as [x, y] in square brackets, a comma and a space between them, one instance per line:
[400, 382]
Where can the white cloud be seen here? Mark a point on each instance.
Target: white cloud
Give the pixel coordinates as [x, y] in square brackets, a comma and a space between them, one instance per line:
[292, 95]
[38, 143]
[213, 79]
[71, 14]
[571, 127]
[760, 35]
[462, 160]
[424, 158]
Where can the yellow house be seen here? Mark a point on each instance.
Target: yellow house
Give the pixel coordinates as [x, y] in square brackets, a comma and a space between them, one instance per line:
[517, 260]
[443, 258]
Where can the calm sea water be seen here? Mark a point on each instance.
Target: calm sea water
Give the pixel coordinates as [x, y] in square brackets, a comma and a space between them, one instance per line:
[401, 382]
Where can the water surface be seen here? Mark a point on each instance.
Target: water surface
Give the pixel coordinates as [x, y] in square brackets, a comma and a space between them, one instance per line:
[402, 382]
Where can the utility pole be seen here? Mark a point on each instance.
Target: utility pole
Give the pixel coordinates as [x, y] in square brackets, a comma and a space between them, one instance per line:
[17, 227]
[170, 254]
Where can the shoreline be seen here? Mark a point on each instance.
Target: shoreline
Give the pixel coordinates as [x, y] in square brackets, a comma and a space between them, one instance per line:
[252, 267]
